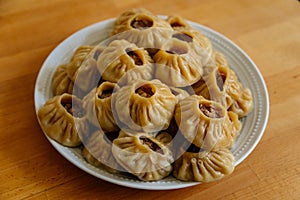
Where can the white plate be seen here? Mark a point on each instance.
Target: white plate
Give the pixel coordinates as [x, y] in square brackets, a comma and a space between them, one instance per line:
[253, 125]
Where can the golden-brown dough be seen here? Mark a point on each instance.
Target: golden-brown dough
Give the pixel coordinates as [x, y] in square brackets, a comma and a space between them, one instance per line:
[221, 85]
[205, 166]
[143, 28]
[63, 119]
[145, 105]
[61, 83]
[205, 123]
[122, 62]
[97, 151]
[143, 155]
[98, 106]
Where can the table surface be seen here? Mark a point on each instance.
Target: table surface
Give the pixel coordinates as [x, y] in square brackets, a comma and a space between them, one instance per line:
[30, 168]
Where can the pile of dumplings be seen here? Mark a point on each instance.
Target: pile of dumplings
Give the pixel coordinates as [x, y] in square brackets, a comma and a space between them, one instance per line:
[153, 100]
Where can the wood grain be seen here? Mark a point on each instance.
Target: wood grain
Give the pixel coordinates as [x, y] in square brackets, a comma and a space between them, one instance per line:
[30, 168]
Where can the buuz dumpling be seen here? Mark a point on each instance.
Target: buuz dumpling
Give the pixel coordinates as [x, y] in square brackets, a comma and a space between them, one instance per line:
[122, 62]
[204, 166]
[143, 155]
[144, 105]
[63, 118]
[142, 28]
[205, 123]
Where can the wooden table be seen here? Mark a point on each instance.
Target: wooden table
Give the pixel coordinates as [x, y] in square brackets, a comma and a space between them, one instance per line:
[30, 168]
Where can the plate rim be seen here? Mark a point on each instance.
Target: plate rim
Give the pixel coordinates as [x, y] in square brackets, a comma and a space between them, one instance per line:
[139, 184]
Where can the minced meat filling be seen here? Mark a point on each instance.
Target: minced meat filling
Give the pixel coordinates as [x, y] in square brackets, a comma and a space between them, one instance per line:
[145, 91]
[151, 144]
[141, 23]
[210, 111]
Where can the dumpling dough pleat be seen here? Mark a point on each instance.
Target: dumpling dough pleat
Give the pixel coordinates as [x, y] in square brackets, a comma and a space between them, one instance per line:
[61, 83]
[204, 166]
[63, 119]
[144, 105]
[143, 155]
[205, 123]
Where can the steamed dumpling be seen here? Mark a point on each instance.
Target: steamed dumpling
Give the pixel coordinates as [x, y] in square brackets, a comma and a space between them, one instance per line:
[221, 85]
[204, 166]
[205, 123]
[180, 61]
[143, 155]
[61, 83]
[98, 106]
[143, 28]
[97, 151]
[63, 119]
[122, 62]
[196, 41]
[144, 105]
[177, 64]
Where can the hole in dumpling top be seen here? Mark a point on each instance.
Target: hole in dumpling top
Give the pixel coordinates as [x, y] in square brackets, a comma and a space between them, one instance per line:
[152, 51]
[177, 24]
[134, 56]
[220, 78]
[146, 91]
[141, 22]
[211, 111]
[183, 37]
[72, 106]
[105, 93]
[151, 144]
[105, 90]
